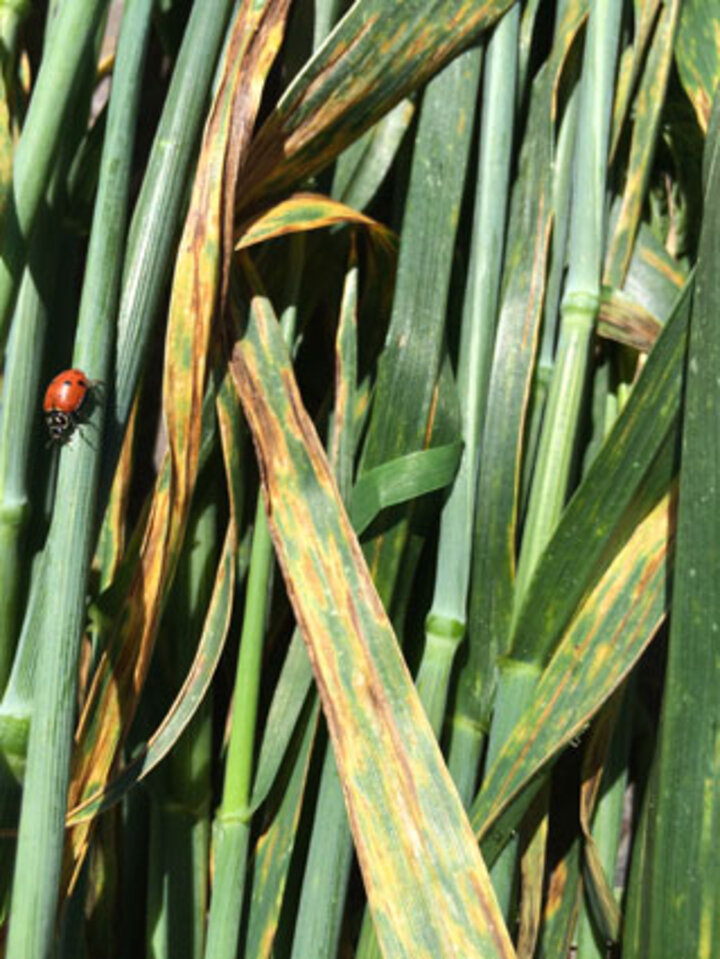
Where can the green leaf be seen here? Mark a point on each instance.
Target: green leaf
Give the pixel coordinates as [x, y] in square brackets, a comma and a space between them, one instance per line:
[493, 570]
[682, 914]
[408, 405]
[446, 623]
[35, 154]
[34, 904]
[562, 417]
[402, 479]
[287, 703]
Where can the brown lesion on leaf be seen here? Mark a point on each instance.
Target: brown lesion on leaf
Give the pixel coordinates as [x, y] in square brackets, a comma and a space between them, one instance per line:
[311, 578]
[489, 913]
[626, 322]
[369, 689]
[258, 415]
[271, 160]
[556, 889]
[369, 593]
[663, 266]
[355, 82]
[307, 434]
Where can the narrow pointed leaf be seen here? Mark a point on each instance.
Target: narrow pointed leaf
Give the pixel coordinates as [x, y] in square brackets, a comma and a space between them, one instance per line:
[647, 115]
[36, 151]
[493, 571]
[401, 480]
[274, 850]
[569, 564]
[432, 897]
[683, 914]
[287, 703]
[200, 274]
[377, 54]
[306, 211]
[631, 63]
[605, 640]
[698, 55]
[187, 701]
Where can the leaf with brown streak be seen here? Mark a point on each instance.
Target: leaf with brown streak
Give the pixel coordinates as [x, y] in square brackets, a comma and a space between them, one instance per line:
[598, 887]
[697, 54]
[532, 872]
[212, 640]
[607, 637]
[378, 53]
[307, 211]
[427, 885]
[198, 287]
[627, 322]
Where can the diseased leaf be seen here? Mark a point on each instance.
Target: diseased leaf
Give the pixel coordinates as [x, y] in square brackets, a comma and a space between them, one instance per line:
[619, 474]
[623, 320]
[187, 701]
[376, 56]
[681, 888]
[697, 54]
[198, 286]
[647, 114]
[432, 897]
[306, 211]
[631, 63]
[597, 759]
[605, 640]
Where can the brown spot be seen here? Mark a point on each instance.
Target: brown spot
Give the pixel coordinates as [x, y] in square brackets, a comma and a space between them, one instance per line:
[556, 889]
[307, 432]
[342, 51]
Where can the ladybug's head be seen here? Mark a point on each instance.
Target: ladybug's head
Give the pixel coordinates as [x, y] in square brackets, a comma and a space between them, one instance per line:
[60, 425]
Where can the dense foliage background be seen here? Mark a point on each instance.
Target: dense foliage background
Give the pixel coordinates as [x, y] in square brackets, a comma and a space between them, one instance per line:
[372, 607]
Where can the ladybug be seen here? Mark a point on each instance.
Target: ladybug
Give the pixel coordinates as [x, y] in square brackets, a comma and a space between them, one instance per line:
[64, 400]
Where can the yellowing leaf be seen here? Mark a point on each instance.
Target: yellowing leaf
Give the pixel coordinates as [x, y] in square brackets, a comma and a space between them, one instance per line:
[428, 888]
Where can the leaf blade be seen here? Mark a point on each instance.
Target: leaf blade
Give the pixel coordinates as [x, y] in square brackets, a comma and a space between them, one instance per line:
[395, 781]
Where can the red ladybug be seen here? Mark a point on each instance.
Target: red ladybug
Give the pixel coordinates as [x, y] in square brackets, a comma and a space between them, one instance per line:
[64, 400]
